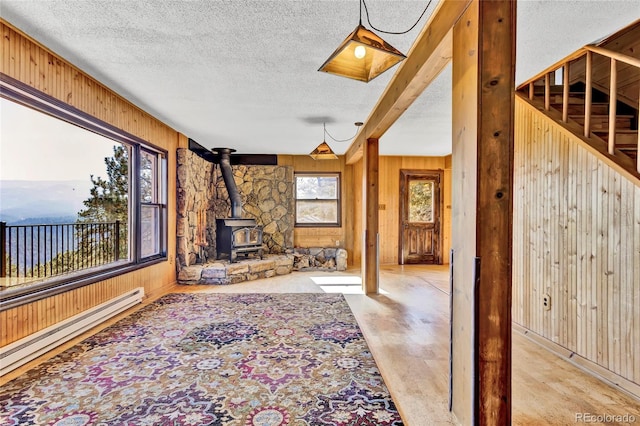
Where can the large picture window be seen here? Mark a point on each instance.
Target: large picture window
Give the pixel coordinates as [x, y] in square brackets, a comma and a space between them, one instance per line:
[81, 199]
[317, 199]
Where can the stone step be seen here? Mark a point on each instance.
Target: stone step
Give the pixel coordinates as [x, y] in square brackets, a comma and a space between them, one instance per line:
[223, 272]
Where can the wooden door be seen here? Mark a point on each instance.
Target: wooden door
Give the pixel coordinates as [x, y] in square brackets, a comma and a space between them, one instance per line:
[420, 208]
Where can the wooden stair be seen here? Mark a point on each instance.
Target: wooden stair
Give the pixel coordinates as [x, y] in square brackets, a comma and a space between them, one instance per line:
[626, 139]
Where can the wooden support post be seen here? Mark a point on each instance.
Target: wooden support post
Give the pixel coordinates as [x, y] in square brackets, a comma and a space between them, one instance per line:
[613, 101]
[483, 114]
[588, 91]
[370, 219]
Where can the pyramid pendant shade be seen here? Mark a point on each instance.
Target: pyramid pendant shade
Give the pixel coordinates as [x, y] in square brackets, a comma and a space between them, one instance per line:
[379, 56]
[323, 152]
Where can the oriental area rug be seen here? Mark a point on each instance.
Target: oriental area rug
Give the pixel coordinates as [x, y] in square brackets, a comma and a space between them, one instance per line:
[212, 359]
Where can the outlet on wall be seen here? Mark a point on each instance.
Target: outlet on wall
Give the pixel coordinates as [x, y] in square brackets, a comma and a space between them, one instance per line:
[546, 302]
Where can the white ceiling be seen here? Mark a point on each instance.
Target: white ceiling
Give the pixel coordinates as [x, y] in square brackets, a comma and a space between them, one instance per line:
[243, 74]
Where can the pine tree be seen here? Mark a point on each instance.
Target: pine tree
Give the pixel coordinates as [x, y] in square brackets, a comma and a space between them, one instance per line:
[108, 202]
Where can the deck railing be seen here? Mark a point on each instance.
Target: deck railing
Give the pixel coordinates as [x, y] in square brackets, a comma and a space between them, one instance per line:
[547, 76]
[40, 251]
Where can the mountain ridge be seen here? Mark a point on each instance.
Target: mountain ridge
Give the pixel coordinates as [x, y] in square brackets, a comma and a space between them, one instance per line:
[23, 201]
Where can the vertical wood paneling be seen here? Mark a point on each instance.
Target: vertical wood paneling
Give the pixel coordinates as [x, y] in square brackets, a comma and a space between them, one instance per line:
[577, 238]
[635, 292]
[32, 64]
[520, 221]
[571, 229]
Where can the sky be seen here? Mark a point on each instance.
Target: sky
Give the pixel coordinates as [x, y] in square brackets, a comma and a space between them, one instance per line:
[36, 146]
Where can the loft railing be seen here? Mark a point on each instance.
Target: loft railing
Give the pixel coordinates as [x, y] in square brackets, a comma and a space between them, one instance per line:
[588, 52]
[40, 251]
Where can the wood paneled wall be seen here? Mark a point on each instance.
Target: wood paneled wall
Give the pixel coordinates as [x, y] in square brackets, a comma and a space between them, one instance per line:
[29, 62]
[350, 234]
[577, 241]
[389, 175]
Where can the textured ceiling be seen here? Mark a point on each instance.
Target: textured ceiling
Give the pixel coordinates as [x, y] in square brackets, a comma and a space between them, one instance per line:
[243, 74]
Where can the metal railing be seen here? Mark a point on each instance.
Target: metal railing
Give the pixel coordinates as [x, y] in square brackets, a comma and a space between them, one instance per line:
[40, 251]
[588, 53]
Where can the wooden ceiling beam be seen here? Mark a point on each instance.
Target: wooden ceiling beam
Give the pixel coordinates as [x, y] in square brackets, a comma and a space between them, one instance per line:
[428, 56]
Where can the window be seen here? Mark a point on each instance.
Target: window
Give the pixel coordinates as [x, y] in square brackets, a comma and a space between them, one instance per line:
[152, 203]
[82, 200]
[317, 199]
[421, 201]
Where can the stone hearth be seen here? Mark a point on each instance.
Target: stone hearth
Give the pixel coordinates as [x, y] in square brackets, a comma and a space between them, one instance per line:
[319, 259]
[223, 272]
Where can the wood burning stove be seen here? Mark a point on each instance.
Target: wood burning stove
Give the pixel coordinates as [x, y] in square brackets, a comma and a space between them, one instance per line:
[238, 237]
[235, 235]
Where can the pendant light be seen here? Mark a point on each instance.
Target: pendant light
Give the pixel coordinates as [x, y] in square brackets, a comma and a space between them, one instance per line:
[363, 55]
[323, 151]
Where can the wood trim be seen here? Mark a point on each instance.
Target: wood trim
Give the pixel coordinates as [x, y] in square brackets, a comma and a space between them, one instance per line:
[614, 55]
[429, 55]
[620, 383]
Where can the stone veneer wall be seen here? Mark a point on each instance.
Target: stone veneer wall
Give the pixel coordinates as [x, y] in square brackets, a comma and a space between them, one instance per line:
[196, 222]
[267, 197]
[319, 258]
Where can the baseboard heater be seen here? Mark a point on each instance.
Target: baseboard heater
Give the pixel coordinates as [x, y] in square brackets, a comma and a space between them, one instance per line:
[24, 350]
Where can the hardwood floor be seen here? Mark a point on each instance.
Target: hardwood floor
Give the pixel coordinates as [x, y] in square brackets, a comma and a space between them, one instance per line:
[407, 329]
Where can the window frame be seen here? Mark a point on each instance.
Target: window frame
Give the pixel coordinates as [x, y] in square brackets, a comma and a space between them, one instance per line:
[338, 200]
[16, 91]
[158, 202]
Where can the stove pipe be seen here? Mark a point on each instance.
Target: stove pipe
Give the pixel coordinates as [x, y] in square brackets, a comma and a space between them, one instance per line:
[229, 182]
